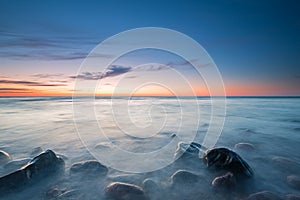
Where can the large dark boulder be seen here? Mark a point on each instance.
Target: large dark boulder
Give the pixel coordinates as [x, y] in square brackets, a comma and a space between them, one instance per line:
[42, 166]
[226, 159]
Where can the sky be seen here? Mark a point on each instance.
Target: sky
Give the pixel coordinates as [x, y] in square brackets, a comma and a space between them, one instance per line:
[254, 44]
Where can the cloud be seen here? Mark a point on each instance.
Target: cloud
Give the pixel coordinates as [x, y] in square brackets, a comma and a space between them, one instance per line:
[115, 70]
[45, 47]
[47, 75]
[29, 83]
[112, 71]
[9, 89]
[14, 90]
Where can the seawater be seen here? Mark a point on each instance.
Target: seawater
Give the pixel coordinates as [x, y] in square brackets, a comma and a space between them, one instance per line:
[271, 125]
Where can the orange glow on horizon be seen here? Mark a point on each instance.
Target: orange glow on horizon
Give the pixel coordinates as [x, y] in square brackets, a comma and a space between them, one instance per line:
[232, 89]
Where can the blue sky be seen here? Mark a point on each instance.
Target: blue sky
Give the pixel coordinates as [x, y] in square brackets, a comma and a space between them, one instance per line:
[253, 43]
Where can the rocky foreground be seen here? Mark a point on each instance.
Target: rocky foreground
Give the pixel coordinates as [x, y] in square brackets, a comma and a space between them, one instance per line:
[46, 172]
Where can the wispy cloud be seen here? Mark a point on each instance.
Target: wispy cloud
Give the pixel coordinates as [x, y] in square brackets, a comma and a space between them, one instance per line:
[47, 75]
[29, 83]
[14, 90]
[45, 47]
[113, 70]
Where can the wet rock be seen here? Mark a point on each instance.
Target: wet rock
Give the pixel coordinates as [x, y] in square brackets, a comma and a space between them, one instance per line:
[294, 181]
[264, 195]
[124, 191]
[36, 151]
[53, 193]
[150, 186]
[102, 145]
[185, 150]
[16, 164]
[223, 158]
[183, 176]
[4, 157]
[292, 197]
[91, 168]
[244, 146]
[286, 164]
[226, 181]
[42, 166]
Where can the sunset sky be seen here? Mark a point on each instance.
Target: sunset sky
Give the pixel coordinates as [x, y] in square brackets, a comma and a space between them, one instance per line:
[254, 44]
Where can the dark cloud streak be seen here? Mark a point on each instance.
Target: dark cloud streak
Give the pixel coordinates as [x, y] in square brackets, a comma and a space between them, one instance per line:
[29, 83]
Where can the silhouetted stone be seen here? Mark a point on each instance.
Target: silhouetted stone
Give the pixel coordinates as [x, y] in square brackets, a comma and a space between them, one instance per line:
[185, 150]
[226, 159]
[184, 177]
[124, 191]
[92, 168]
[42, 166]
[226, 181]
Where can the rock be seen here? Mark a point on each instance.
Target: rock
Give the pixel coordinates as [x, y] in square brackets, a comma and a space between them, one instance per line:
[42, 166]
[286, 164]
[150, 186]
[92, 168]
[36, 151]
[184, 177]
[152, 189]
[292, 197]
[16, 164]
[185, 150]
[226, 181]
[226, 159]
[53, 193]
[264, 195]
[244, 146]
[124, 191]
[4, 157]
[294, 181]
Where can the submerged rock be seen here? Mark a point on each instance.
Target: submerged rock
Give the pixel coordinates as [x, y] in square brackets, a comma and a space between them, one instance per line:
[294, 181]
[91, 167]
[226, 181]
[223, 158]
[42, 166]
[124, 191]
[187, 150]
[292, 197]
[244, 146]
[184, 177]
[53, 193]
[151, 187]
[4, 157]
[36, 151]
[264, 195]
[286, 164]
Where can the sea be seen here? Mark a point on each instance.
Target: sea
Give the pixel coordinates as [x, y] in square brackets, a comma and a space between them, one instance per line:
[136, 138]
